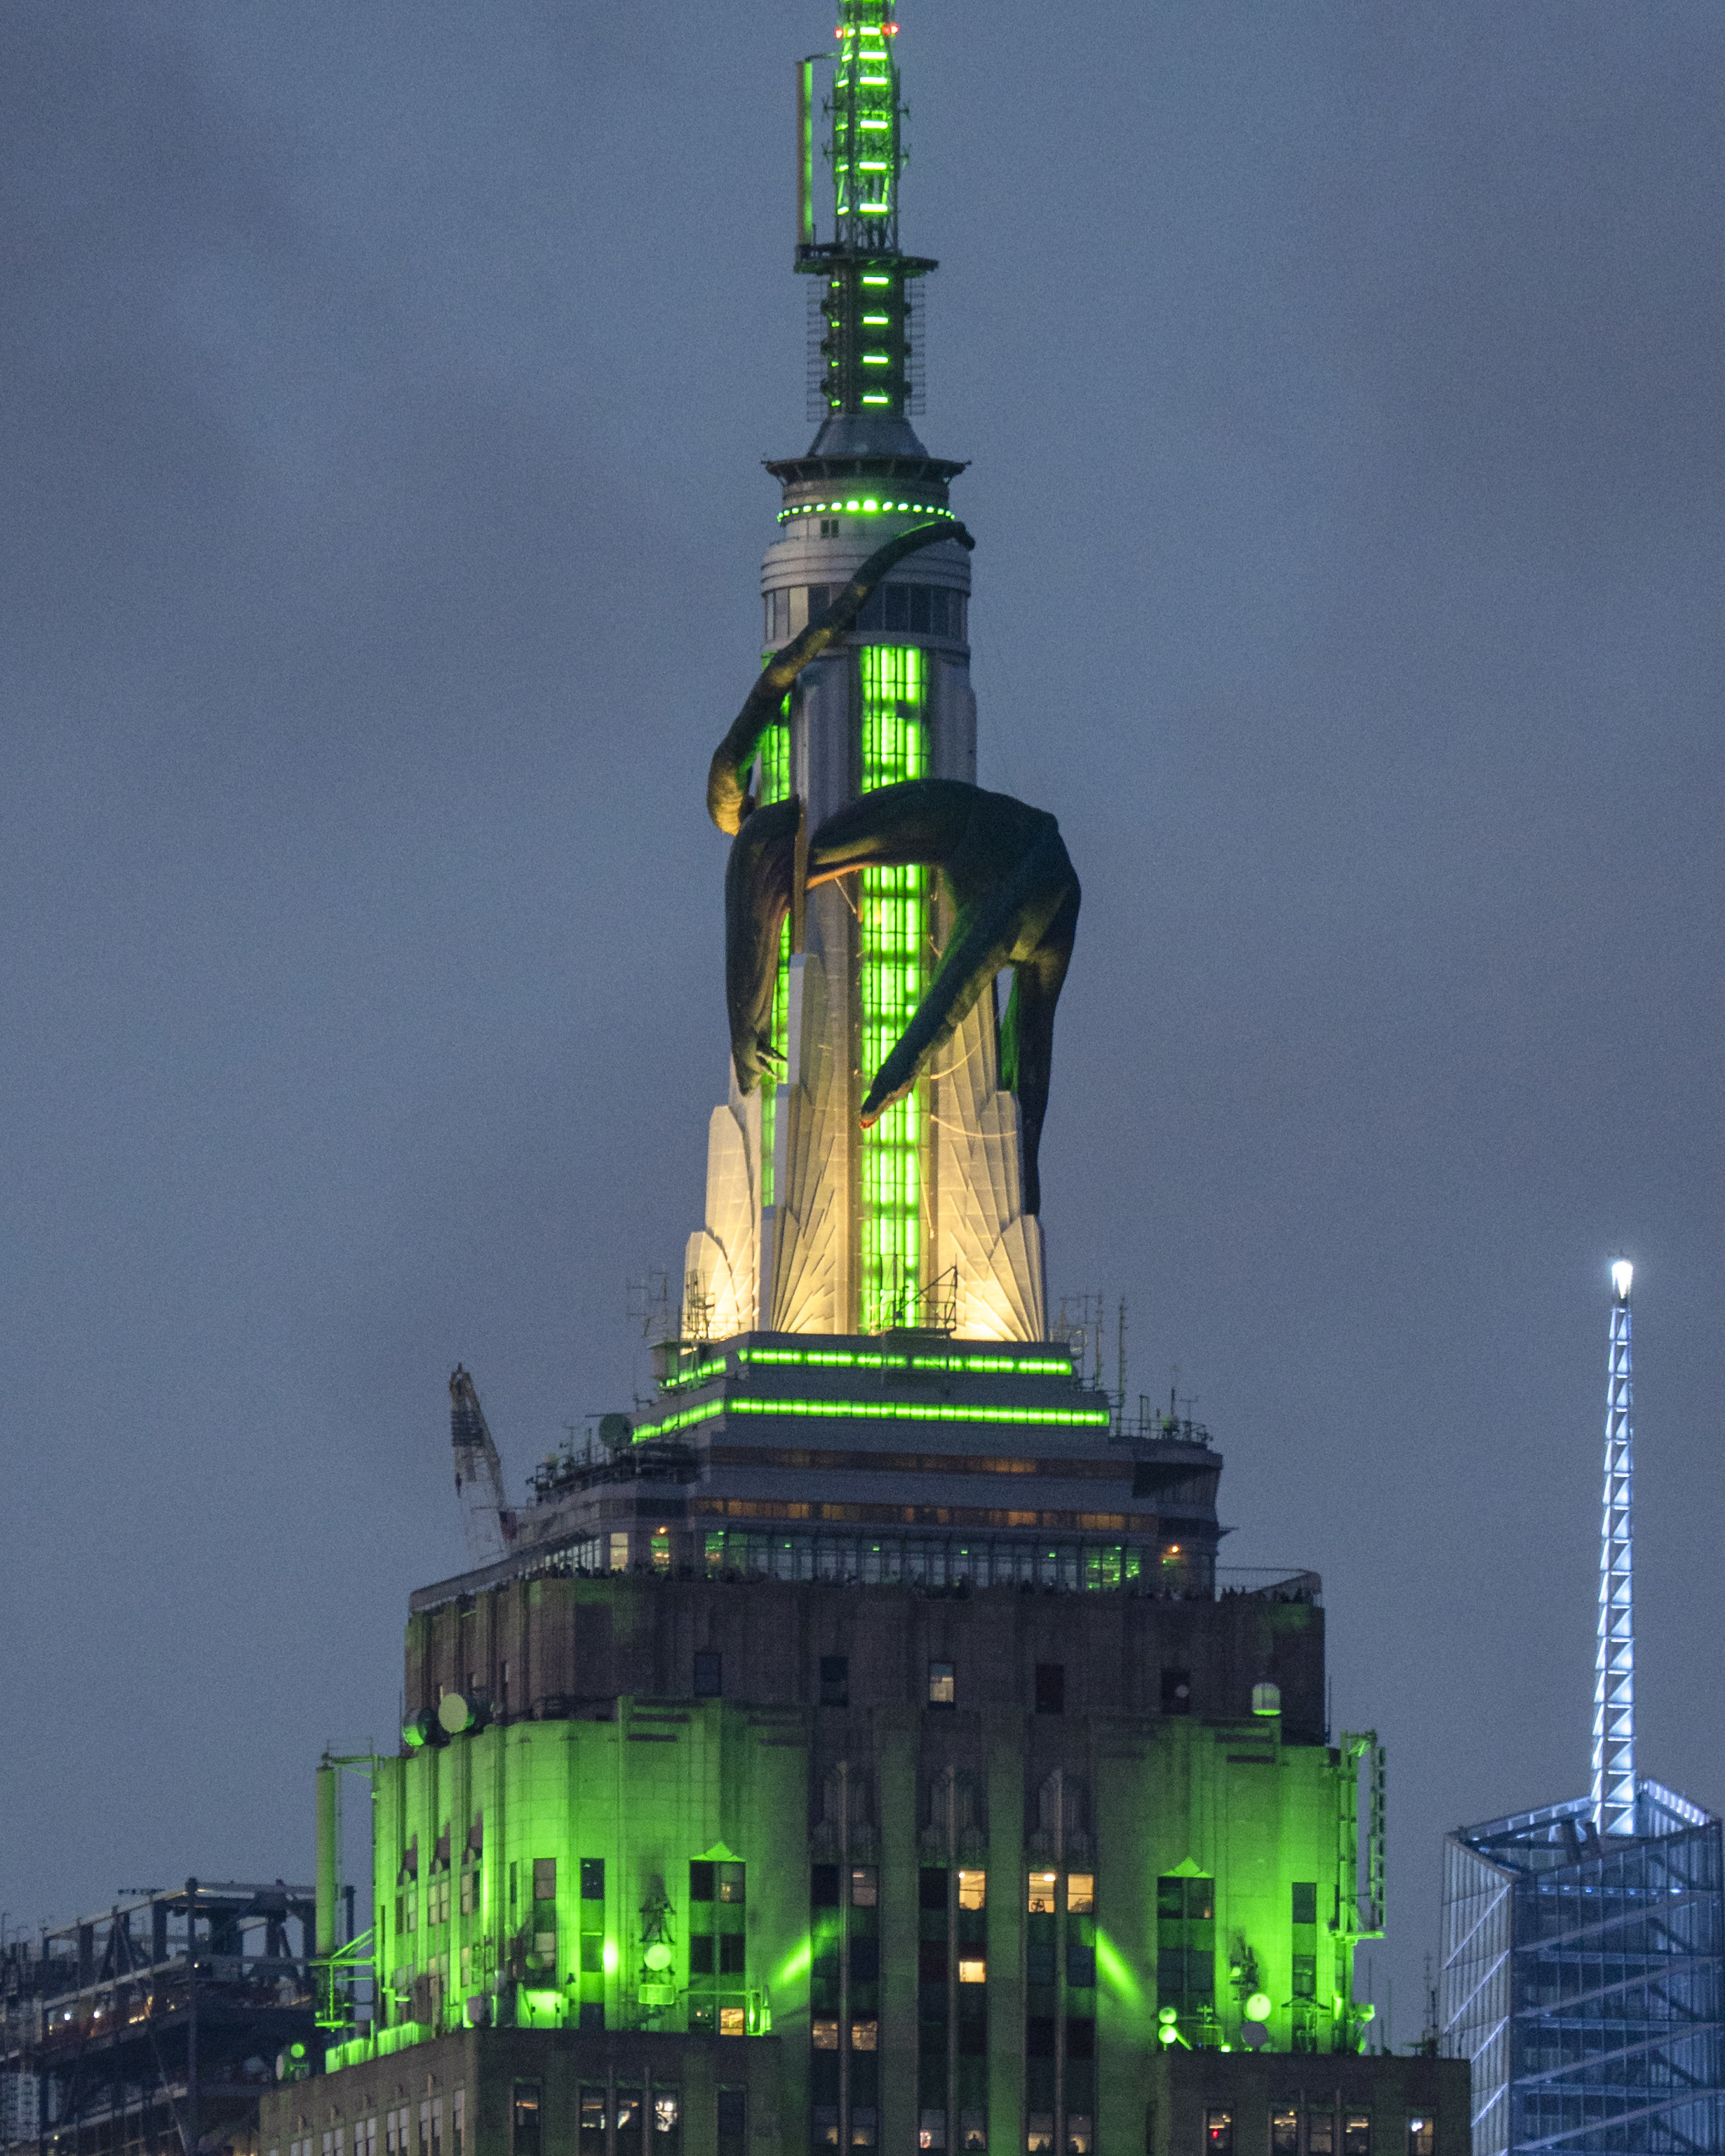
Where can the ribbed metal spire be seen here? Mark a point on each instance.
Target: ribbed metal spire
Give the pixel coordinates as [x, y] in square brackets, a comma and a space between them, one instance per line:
[1614, 1666]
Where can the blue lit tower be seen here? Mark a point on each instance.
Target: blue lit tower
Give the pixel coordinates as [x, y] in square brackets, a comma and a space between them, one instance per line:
[813, 1223]
[1584, 1969]
[1614, 1668]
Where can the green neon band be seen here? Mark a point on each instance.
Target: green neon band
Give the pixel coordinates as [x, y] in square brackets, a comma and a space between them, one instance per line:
[881, 1411]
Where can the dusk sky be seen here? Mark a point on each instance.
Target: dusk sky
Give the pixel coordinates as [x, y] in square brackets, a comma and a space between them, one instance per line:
[384, 395]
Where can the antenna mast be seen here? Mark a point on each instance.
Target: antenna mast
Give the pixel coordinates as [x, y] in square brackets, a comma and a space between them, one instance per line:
[1614, 1792]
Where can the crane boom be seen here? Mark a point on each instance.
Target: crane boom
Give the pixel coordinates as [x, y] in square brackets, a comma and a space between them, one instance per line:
[487, 1521]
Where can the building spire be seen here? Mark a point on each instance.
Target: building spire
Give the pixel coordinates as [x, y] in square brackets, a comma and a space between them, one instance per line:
[866, 355]
[1614, 1793]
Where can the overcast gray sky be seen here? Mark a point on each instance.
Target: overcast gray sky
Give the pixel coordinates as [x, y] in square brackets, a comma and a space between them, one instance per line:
[384, 393]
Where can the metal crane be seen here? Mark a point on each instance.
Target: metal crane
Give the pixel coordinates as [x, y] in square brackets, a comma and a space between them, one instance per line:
[488, 1523]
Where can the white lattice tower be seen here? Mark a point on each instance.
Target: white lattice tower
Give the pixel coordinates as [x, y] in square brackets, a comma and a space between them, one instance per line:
[1614, 1666]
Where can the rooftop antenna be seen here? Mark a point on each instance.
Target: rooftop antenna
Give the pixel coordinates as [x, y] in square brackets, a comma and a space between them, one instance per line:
[1614, 1794]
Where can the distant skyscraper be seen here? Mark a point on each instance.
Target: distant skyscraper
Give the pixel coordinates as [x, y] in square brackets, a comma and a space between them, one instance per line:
[1584, 1973]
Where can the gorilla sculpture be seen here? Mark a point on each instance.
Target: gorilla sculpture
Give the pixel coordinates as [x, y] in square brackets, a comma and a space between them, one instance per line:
[1012, 893]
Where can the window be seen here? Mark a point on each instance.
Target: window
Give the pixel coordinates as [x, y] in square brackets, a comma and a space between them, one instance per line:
[701, 1882]
[942, 1685]
[1284, 2131]
[459, 2116]
[1039, 2133]
[733, 2117]
[863, 2126]
[1422, 2137]
[730, 1952]
[524, 2125]
[931, 1889]
[731, 2021]
[1177, 1691]
[932, 2130]
[1040, 1899]
[972, 1969]
[866, 2034]
[1320, 2133]
[593, 1953]
[1080, 1893]
[835, 1680]
[731, 1882]
[865, 1886]
[437, 2126]
[593, 1878]
[824, 2033]
[626, 2120]
[823, 1886]
[1304, 1895]
[1050, 1688]
[619, 1550]
[1218, 2132]
[701, 1954]
[1304, 1973]
[1080, 1963]
[545, 1882]
[972, 1889]
[709, 1671]
[667, 2109]
[973, 2133]
[1356, 2135]
[825, 2125]
[592, 2120]
[1080, 2133]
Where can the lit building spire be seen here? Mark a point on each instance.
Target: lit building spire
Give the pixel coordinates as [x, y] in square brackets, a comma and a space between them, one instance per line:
[1614, 1792]
[866, 343]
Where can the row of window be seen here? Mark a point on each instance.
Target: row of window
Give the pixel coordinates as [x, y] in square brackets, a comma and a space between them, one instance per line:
[1298, 2130]
[884, 1560]
[892, 608]
[397, 2137]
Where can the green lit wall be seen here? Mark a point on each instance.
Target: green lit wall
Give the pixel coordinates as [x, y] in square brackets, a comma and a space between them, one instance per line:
[927, 1891]
[892, 919]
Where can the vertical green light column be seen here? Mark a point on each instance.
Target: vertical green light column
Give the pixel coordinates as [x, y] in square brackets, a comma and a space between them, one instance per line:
[776, 786]
[892, 977]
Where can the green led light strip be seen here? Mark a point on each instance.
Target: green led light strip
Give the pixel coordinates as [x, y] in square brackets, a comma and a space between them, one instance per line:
[881, 1411]
[864, 508]
[776, 786]
[893, 933]
[698, 1376]
[1020, 1366]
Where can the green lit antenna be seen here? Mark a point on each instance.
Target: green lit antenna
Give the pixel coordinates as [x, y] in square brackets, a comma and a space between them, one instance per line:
[865, 347]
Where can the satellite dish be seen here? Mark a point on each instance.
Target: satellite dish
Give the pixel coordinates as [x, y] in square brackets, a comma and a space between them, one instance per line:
[615, 1430]
[658, 1955]
[454, 1713]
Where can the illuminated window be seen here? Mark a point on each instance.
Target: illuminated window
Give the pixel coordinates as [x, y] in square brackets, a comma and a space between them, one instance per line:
[942, 1685]
[973, 1970]
[731, 1881]
[1422, 2137]
[1356, 2135]
[972, 1889]
[931, 2131]
[731, 2021]
[973, 2133]
[892, 917]
[1080, 2133]
[524, 2124]
[866, 2034]
[1218, 2132]
[1041, 1898]
[619, 1550]
[865, 1886]
[667, 2109]
[1284, 2131]
[1080, 1893]
[1039, 2133]
[545, 1878]
[824, 2034]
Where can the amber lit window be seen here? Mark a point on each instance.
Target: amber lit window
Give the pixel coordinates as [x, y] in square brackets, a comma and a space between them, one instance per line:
[731, 2021]
[1218, 2132]
[1422, 2137]
[1040, 1901]
[972, 1889]
[824, 2033]
[976, 1971]
[1080, 1893]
